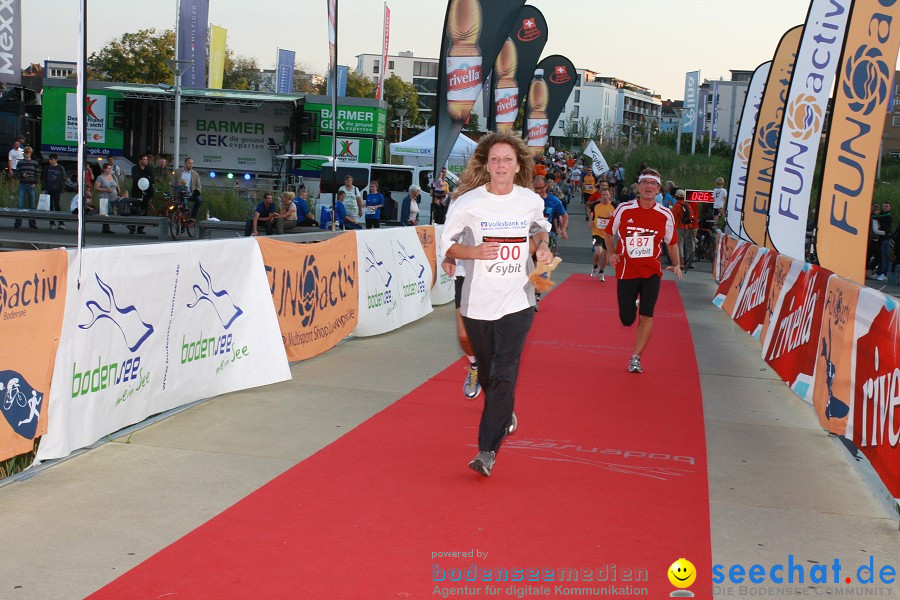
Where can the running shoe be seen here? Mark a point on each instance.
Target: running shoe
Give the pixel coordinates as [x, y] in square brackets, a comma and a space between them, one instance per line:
[471, 387]
[513, 425]
[61, 225]
[602, 277]
[635, 365]
[484, 462]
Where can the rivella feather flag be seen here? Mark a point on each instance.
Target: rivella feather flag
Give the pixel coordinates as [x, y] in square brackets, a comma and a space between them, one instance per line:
[514, 68]
[468, 50]
[742, 145]
[801, 130]
[761, 166]
[555, 74]
[854, 137]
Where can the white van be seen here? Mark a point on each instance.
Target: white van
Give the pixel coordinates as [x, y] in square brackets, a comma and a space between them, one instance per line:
[393, 181]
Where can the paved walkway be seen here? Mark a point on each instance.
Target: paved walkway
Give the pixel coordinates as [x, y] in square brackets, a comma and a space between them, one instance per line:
[779, 485]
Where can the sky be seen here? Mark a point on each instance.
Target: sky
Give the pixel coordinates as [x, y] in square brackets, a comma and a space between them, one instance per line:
[651, 43]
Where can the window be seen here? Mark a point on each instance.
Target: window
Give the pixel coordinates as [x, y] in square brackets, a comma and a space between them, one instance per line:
[577, 79]
[895, 121]
[425, 86]
[425, 69]
[391, 64]
[375, 66]
[577, 95]
[561, 124]
[575, 113]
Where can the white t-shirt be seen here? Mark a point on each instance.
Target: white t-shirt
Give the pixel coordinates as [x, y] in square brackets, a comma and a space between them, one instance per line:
[719, 196]
[494, 288]
[15, 156]
[352, 193]
[186, 175]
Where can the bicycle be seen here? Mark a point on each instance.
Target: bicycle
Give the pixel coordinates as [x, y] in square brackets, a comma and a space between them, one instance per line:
[180, 219]
[704, 245]
[13, 394]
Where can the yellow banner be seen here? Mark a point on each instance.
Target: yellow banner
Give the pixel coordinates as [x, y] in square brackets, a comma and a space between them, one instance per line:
[315, 288]
[761, 167]
[857, 122]
[32, 303]
[217, 37]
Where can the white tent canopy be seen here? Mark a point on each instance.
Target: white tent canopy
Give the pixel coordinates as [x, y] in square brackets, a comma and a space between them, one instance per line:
[419, 150]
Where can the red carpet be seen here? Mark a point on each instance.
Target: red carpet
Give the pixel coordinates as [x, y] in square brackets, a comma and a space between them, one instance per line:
[606, 475]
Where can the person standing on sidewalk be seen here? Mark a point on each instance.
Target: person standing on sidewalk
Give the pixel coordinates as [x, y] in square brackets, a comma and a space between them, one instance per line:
[488, 228]
[53, 182]
[634, 238]
[27, 171]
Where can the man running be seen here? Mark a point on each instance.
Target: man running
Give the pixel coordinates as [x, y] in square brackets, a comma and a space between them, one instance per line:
[633, 241]
[601, 213]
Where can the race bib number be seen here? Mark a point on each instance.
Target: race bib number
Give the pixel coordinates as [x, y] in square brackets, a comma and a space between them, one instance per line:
[510, 261]
[639, 246]
[370, 210]
[602, 223]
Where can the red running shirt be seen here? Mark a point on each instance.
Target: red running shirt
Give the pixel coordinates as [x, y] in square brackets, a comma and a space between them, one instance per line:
[641, 233]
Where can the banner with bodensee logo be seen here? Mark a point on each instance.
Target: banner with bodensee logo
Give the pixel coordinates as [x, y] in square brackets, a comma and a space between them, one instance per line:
[32, 301]
[444, 289]
[395, 279]
[315, 288]
[154, 327]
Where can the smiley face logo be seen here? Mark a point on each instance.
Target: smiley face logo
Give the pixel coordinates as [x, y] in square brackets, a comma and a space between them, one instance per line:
[682, 573]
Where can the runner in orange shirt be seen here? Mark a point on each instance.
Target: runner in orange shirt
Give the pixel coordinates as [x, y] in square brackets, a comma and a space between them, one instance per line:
[602, 213]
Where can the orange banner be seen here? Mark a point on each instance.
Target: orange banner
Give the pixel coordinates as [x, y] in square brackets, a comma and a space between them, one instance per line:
[761, 167]
[857, 122]
[426, 236]
[782, 266]
[833, 379]
[315, 288]
[32, 303]
[737, 282]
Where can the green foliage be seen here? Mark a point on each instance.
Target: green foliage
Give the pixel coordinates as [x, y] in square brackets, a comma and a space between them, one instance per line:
[400, 94]
[135, 58]
[241, 72]
[360, 86]
[472, 123]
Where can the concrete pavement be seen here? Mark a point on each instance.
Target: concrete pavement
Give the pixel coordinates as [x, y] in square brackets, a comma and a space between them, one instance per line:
[779, 485]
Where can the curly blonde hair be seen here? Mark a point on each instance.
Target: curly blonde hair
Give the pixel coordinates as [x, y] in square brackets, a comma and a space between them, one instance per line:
[476, 173]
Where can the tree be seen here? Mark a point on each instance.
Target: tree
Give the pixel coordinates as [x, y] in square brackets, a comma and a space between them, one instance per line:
[472, 123]
[307, 82]
[359, 86]
[241, 72]
[400, 94]
[135, 58]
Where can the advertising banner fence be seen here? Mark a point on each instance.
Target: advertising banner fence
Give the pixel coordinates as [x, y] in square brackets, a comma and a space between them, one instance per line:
[750, 308]
[738, 278]
[394, 280]
[732, 264]
[315, 288]
[792, 336]
[32, 301]
[196, 320]
[444, 289]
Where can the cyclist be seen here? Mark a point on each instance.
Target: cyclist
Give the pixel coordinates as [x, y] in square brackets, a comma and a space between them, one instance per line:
[12, 390]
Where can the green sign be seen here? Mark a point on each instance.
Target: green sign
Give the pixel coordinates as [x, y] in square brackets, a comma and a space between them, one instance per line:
[352, 120]
[59, 126]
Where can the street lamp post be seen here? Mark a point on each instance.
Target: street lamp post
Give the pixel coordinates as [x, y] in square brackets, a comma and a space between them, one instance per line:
[178, 67]
[402, 112]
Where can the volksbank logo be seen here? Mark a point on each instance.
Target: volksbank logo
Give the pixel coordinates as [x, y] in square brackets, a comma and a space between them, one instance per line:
[804, 117]
[866, 79]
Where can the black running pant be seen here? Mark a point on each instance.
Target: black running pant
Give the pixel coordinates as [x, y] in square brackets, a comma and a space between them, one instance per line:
[629, 290]
[498, 345]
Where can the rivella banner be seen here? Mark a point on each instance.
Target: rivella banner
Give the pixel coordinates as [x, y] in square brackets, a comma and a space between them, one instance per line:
[32, 301]
[473, 33]
[729, 274]
[195, 321]
[791, 339]
[761, 166]
[874, 424]
[750, 308]
[315, 288]
[744, 142]
[801, 130]
[854, 136]
[394, 279]
[737, 283]
[558, 80]
[515, 66]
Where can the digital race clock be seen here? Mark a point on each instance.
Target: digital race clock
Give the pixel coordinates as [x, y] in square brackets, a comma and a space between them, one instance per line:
[699, 196]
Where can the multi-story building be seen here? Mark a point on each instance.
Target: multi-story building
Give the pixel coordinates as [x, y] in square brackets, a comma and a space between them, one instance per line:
[598, 106]
[731, 103]
[891, 134]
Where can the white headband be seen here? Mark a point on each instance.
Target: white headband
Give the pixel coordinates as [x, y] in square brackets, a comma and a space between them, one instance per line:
[650, 177]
